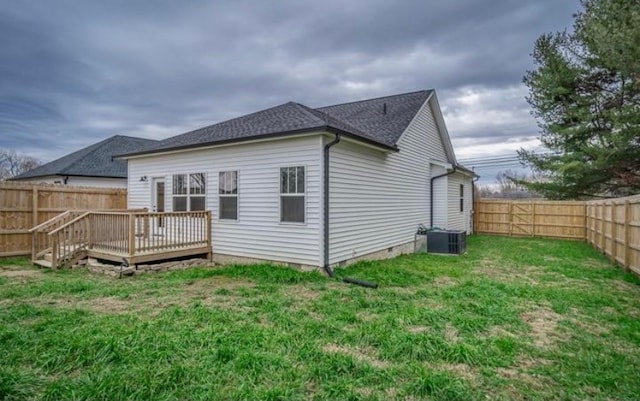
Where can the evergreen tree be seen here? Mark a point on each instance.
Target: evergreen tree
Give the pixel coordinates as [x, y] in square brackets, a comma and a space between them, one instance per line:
[585, 94]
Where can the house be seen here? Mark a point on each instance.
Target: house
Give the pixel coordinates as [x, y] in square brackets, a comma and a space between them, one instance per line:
[91, 166]
[312, 187]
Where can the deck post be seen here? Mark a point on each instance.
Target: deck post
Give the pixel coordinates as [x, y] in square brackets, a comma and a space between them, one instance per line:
[209, 234]
[132, 234]
[54, 252]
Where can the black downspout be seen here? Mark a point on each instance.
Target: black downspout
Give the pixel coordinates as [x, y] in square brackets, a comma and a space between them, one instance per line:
[431, 193]
[327, 268]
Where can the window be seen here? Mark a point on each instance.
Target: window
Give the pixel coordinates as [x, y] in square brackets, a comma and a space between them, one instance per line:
[189, 191]
[461, 197]
[292, 194]
[228, 195]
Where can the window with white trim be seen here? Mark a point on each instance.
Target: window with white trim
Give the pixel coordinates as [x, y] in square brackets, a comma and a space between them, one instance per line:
[189, 192]
[228, 195]
[292, 194]
[462, 197]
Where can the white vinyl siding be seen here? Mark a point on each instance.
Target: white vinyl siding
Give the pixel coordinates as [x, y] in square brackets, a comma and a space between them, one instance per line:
[258, 232]
[377, 198]
[459, 220]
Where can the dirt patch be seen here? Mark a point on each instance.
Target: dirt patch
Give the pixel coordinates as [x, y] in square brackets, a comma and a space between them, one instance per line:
[107, 305]
[209, 285]
[203, 291]
[520, 372]
[418, 329]
[302, 292]
[626, 287]
[510, 274]
[588, 324]
[497, 332]
[445, 281]
[99, 305]
[367, 355]
[543, 322]
[596, 264]
[462, 370]
[19, 272]
[367, 316]
[450, 333]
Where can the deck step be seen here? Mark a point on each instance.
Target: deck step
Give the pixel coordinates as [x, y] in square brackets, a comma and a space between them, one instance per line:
[48, 257]
[43, 263]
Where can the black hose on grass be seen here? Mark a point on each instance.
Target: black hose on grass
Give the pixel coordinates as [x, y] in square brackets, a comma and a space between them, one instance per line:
[362, 283]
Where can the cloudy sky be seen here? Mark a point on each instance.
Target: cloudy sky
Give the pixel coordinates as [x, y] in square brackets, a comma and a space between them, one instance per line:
[73, 73]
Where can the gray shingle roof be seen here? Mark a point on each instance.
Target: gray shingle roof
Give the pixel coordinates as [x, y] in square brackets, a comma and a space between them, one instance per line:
[365, 120]
[93, 161]
[368, 115]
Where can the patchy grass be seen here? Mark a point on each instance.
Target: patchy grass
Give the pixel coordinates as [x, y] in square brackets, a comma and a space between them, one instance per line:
[514, 319]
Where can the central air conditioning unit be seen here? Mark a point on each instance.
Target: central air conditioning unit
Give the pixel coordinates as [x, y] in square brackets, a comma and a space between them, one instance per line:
[447, 241]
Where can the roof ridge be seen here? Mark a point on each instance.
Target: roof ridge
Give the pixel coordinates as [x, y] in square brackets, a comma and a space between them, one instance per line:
[133, 137]
[227, 121]
[374, 98]
[310, 111]
[328, 119]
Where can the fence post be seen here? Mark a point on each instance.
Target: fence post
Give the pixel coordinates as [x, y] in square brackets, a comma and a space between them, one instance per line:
[602, 237]
[510, 218]
[533, 218]
[627, 235]
[614, 231]
[585, 213]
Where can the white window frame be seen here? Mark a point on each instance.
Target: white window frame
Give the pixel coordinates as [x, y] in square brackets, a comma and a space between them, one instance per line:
[236, 195]
[188, 195]
[303, 194]
[461, 198]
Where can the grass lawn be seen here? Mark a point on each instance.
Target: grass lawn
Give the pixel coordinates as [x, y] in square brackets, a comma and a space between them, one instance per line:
[514, 319]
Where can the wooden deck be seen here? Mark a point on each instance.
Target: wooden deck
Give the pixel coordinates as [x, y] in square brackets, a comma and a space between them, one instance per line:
[129, 237]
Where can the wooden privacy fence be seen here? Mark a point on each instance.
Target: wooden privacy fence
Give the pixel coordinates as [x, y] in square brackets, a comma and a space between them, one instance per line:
[558, 219]
[23, 206]
[611, 225]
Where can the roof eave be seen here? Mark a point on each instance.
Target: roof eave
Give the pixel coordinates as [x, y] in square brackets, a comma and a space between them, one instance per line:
[273, 135]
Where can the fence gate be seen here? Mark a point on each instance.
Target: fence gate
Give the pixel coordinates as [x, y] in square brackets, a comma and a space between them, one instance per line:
[522, 218]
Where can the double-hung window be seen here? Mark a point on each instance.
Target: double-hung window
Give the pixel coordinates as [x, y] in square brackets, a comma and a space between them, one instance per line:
[461, 197]
[228, 195]
[189, 192]
[292, 194]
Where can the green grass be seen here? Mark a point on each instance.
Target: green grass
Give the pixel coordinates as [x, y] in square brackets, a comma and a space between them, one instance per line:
[514, 319]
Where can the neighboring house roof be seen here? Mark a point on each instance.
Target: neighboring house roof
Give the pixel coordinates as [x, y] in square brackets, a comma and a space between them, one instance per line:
[93, 161]
[379, 121]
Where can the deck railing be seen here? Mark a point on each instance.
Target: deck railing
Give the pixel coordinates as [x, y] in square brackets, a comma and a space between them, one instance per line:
[127, 234]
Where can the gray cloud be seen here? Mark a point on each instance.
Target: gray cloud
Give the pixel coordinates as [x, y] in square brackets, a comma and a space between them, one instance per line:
[72, 73]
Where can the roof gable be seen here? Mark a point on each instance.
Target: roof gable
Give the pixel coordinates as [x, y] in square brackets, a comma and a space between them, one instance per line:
[93, 161]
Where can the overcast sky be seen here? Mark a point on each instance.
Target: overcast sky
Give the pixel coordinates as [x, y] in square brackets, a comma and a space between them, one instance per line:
[75, 72]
